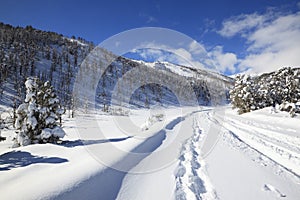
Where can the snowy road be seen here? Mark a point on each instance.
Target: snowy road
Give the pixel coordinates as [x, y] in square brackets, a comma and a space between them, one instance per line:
[252, 159]
[255, 156]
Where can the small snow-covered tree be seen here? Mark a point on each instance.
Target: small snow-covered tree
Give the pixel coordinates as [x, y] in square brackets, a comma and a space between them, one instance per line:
[37, 118]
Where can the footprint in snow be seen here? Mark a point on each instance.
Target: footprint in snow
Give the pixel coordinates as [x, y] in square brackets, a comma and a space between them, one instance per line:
[271, 188]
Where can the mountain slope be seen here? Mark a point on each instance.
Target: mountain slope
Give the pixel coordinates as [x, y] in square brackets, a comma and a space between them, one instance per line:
[30, 52]
[50, 56]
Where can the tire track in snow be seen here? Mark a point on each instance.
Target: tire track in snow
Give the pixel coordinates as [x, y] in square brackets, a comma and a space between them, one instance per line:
[284, 141]
[191, 179]
[247, 140]
[282, 157]
[278, 179]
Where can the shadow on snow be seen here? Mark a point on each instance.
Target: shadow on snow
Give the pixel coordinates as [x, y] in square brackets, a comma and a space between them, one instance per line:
[75, 143]
[16, 159]
[107, 183]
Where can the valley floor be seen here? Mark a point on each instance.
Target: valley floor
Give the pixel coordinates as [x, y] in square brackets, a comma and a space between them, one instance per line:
[176, 153]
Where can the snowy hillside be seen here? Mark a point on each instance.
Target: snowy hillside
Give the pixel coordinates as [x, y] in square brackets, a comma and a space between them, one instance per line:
[49, 56]
[208, 87]
[52, 57]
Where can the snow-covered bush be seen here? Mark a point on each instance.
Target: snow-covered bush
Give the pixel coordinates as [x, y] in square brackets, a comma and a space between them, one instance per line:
[37, 118]
[152, 120]
[277, 88]
[118, 111]
[288, 107]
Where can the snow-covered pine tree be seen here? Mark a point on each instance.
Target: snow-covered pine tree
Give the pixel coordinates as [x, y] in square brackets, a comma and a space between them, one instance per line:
[37, 118]
[242, 95]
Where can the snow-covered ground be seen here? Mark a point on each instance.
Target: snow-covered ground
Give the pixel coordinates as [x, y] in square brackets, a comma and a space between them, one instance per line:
[159, 154]
[256, 157]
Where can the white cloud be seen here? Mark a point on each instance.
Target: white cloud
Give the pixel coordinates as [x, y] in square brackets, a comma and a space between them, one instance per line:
[279, 34]
[178, 56]
[183, 53]
[167, 53]
[194, 55]
[242, 23]
[270, 61]
[209, 24]
[149, 53]
[273, 40]
[197, 48]
[223, 61]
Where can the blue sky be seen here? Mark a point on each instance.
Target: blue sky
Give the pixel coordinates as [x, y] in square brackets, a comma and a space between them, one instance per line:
[235, 34]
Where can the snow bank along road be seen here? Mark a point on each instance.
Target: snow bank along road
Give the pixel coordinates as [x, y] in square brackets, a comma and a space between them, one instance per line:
[255, 156]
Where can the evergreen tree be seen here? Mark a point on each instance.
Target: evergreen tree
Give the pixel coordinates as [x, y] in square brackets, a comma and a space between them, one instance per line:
[37, 118]
[281, 88]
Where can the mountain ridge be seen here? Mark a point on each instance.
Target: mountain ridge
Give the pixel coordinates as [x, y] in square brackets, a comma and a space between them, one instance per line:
[56, 58]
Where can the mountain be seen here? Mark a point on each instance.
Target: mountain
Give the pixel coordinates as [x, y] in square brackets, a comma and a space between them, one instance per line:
[28, 52]
[61, 60]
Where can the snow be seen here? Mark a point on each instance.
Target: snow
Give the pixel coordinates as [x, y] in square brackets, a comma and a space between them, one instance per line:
[58, 132]
[53, 101]
[249, 162]
[152, 120]
[32, 122]
[192, 181]
[29, 96]
[256, 156]
[76, 41]
[46, 133]
[50, 120]
[30, 84]
[206, 74]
